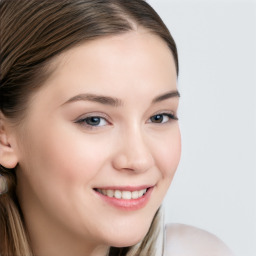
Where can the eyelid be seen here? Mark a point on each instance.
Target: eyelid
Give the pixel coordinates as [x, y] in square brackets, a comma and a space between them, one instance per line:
[166, 112]
[81, 121]
[93, 114]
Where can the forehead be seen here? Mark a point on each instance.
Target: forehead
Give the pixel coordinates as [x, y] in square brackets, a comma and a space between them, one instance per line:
[137, 61]
[131, 45]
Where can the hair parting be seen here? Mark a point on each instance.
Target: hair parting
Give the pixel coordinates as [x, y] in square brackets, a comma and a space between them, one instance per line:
[32, 34]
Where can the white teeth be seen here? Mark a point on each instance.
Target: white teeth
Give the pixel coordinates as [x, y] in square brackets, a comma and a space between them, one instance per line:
[110, 193]
[127, 195]
[118, 194]
[135, 194]
[140, 193]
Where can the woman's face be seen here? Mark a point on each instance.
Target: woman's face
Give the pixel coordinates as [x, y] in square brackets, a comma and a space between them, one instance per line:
[103, 123]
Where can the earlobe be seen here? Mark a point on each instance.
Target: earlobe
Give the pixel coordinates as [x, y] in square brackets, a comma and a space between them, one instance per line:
[8, 157]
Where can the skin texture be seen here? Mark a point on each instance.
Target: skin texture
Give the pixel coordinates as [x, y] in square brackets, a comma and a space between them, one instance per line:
[61, 161]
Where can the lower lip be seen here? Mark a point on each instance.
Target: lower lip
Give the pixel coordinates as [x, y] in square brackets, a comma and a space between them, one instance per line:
[127, 204]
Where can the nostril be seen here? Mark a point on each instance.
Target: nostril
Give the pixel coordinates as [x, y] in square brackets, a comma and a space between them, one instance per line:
[133, 162]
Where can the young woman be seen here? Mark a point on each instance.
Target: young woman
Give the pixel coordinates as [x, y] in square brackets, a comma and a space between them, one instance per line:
[89, 134]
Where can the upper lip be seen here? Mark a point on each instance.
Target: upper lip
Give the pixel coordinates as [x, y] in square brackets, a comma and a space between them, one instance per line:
[124, 188]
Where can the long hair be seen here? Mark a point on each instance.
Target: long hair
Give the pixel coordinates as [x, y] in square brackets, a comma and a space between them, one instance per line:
[32, 33]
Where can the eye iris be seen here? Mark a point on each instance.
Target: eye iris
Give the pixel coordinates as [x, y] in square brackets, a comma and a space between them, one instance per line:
[157, 118]
[94, 120]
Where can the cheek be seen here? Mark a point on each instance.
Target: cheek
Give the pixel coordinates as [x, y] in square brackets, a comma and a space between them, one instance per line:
[76, 160]
[58, 168]
[168, 154]
[60, 158]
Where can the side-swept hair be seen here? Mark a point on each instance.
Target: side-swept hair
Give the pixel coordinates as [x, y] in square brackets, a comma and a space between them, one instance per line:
[32, 33]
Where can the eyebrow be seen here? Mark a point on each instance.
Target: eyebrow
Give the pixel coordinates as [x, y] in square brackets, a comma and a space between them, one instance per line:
[165, 96]
[115, 102]
[105, 100]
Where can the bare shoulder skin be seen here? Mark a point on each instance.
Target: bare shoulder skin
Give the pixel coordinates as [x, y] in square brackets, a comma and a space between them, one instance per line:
[184, 240]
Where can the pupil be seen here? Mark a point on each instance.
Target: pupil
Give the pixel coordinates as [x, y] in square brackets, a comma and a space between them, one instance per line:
[157, 118]
[93, 120]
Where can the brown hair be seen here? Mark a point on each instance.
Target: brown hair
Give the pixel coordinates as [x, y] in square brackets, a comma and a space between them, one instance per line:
[32, 32]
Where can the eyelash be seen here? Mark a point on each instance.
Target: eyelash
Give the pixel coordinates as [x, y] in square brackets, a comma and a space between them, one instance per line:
[84, 121]
[169, 115]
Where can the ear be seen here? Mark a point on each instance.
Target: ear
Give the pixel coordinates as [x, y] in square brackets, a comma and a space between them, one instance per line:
[8, 157]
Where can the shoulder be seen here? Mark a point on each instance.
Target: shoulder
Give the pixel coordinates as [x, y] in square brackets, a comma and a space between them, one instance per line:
[184, 240]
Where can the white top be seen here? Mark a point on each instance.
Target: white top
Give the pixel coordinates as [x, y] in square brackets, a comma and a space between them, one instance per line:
[184, 240]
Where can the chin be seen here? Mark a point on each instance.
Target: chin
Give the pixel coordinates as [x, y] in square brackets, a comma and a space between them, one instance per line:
[130, 237]
[126, 242]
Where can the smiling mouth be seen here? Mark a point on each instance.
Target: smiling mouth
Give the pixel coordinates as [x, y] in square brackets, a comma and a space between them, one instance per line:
[126, 195]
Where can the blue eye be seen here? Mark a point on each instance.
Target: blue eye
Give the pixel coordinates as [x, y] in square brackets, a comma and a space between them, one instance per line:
[93, 121]
[162, 118]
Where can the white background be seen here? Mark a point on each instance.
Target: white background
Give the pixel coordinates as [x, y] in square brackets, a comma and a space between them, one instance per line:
[215, 185]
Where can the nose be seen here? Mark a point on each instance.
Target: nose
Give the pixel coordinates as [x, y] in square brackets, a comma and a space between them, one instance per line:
[133, 153]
